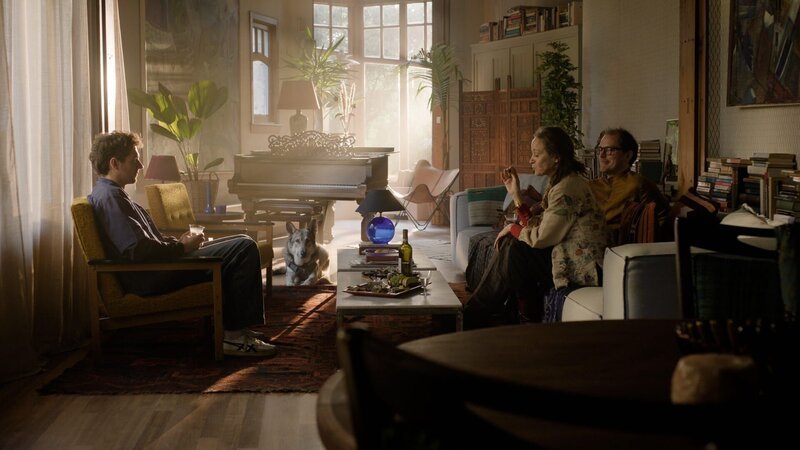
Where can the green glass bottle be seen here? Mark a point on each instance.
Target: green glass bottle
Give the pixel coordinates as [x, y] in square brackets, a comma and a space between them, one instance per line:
[405, 255]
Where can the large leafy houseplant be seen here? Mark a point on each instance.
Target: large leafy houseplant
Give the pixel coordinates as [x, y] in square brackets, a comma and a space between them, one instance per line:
[558, 102]
[326, 68]
[441, 76]
[174, 121]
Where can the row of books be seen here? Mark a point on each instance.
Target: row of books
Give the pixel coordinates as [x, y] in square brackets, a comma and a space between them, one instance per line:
[786, 197]
[523, 19]
[731, 181]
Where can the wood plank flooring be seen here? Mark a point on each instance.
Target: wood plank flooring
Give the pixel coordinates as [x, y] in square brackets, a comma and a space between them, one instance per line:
[169, 421]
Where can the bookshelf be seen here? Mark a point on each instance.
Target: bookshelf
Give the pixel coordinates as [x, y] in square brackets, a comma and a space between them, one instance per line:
[493, 62]
[785, 198]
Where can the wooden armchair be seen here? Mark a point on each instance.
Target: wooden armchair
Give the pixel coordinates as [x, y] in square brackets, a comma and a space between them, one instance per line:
[111, 308]
[172, 213]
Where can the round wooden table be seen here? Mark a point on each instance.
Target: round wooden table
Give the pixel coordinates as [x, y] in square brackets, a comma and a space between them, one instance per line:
[618, 359]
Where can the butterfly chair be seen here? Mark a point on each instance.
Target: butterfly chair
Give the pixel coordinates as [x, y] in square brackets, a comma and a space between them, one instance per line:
[172, 213]
[112, 308]
[735, 280]
[396, 398]
[429, 185]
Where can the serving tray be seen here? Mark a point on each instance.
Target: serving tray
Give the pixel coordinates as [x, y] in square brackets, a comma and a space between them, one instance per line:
[383, 294]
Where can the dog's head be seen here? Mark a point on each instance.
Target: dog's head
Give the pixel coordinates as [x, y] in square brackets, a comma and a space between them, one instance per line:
[302, 243]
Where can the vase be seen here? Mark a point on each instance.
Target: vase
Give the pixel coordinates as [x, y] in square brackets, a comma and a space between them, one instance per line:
[202, 194]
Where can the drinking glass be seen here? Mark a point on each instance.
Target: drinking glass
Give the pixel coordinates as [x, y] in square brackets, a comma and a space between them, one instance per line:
[425, 277]
[196, 229]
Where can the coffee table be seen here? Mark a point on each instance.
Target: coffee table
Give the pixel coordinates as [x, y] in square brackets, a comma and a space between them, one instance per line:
[439, 299]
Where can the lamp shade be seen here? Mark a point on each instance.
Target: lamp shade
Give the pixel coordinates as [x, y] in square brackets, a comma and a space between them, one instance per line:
[298, 94]
[163, 167]
[379, 200]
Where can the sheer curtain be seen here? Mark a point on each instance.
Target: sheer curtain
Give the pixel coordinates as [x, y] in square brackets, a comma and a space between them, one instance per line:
[45, 135]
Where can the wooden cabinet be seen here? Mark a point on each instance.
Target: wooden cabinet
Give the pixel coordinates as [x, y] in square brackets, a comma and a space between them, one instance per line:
[496, 124]
[493, 62]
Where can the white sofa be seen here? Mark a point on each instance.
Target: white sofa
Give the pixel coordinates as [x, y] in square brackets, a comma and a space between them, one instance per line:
[461, 231]
[638, 279]
[639, 282]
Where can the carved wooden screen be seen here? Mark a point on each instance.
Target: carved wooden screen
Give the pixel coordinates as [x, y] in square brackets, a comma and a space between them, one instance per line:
[496, 130]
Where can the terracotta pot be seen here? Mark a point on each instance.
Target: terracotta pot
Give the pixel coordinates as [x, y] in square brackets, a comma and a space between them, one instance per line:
[202, 194]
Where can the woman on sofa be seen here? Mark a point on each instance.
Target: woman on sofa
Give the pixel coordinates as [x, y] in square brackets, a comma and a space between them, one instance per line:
[560, 246]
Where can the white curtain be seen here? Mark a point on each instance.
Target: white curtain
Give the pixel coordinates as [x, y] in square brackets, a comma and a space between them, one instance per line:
[45, 136]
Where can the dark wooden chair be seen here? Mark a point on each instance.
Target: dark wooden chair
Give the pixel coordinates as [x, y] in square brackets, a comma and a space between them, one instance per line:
[731, 279]
[400, 400]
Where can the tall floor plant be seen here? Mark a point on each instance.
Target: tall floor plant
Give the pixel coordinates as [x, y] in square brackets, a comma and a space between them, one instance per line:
[559, 98]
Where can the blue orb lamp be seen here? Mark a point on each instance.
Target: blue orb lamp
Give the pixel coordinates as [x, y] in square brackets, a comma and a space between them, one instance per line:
[380, 229]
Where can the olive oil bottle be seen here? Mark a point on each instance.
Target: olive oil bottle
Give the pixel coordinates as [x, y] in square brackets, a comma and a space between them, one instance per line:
[405, 255]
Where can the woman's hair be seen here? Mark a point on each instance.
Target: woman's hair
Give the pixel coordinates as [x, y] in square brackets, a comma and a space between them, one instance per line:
[117, 144]
[558, 144]
[626, 140]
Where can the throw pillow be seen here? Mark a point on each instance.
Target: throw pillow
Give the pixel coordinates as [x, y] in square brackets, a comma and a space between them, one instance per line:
[485, 204]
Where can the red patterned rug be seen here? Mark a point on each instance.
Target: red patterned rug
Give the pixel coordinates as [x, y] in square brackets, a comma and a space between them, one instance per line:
[178, 358]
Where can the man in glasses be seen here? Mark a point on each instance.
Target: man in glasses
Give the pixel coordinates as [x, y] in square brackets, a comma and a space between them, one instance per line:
[618, 189]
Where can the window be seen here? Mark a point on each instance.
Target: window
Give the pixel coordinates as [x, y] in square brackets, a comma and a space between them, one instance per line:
[382, 38]
[331, 22]
[263, 58]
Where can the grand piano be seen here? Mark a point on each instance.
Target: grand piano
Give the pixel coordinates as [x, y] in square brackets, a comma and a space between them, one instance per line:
[298, 175]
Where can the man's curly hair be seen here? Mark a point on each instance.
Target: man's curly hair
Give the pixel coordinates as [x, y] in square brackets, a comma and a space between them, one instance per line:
[117, 144]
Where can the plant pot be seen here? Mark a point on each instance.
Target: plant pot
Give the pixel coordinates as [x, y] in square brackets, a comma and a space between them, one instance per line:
[202, 194]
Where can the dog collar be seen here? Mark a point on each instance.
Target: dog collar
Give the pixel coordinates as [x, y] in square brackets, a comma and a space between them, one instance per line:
[298, 269]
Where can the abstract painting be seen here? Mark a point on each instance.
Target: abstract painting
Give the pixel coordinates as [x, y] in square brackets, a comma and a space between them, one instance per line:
[763, 60]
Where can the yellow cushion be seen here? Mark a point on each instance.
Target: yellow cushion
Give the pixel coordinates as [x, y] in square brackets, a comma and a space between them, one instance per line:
[169, 205]
[92, 246]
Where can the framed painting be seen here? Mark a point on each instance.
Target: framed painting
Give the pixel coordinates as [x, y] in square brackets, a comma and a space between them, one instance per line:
[187, 41]
[763, 60]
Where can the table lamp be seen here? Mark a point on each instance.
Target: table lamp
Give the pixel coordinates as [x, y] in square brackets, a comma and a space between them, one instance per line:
[164, 168]
[297, 95]
[380, 229]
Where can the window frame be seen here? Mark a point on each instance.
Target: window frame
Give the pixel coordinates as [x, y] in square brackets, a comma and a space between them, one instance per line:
[356, 51]
[269, 26]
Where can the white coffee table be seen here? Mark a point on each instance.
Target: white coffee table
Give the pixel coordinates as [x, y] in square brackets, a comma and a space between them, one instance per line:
[440, 299]
[348, 260]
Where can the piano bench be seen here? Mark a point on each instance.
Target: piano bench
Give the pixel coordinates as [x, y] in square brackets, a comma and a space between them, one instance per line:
[302, 218]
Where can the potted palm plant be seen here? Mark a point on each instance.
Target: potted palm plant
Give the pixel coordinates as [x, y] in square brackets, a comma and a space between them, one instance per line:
[180, 121]
[327, 69]
[442, 75]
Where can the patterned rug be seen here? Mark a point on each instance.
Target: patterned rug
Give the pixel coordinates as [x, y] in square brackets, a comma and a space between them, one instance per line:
[178, 357]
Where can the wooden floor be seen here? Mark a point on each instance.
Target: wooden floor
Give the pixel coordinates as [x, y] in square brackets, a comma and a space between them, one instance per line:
[174, 421]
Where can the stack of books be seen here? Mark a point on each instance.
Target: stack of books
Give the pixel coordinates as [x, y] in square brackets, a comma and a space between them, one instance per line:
[649, 163]
[771, 164]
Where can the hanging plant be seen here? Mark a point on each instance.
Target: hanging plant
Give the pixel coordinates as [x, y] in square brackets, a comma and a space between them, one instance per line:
[558, 103]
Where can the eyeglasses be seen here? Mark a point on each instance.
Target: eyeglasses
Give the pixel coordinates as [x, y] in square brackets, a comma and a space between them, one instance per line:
[612, 150]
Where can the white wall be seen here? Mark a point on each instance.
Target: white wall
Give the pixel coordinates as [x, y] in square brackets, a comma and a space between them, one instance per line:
[630, 66]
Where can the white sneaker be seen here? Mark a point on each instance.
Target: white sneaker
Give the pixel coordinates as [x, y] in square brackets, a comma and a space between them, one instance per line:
[248, 346]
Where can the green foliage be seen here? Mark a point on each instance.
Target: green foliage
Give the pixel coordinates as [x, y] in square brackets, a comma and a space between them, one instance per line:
[442, 76]
[173, 120]
[559, 99]
[325, 68]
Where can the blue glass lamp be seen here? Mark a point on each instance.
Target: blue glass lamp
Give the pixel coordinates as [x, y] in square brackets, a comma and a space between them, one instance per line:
[380, 229]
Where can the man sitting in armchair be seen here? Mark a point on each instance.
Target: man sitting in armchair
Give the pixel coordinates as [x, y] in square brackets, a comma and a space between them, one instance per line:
[623, 195]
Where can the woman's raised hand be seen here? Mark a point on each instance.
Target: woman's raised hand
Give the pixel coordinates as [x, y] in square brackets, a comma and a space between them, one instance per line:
[510, 179]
